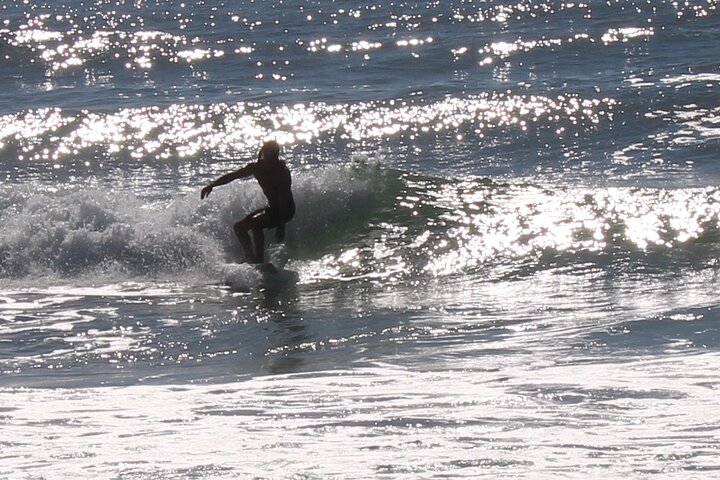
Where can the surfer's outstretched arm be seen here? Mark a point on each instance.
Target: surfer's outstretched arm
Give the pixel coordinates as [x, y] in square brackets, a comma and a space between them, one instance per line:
[246, 171]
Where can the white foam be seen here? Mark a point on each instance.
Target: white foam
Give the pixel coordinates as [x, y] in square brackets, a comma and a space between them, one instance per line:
[72, 233]
[239, 276]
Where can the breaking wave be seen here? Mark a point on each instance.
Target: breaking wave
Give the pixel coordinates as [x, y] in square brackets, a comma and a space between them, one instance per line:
[361, 221]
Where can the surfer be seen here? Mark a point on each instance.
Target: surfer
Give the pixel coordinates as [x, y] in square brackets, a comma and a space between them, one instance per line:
[274, 178]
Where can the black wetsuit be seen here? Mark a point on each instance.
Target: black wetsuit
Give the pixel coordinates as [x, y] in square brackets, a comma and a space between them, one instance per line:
[274, 179]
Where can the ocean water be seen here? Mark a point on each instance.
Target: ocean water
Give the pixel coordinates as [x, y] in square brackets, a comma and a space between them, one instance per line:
[504, 262]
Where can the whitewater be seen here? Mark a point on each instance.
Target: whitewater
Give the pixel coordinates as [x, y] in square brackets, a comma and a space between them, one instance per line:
[504, 261]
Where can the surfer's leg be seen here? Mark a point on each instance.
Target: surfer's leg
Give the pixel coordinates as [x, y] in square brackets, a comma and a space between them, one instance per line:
[241, 230]
[260, 222]
[259, 239]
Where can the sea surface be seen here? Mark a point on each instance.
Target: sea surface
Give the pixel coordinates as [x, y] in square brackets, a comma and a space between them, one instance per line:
[504, 263]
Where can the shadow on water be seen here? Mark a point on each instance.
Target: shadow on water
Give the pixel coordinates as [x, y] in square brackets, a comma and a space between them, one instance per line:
[287, 329]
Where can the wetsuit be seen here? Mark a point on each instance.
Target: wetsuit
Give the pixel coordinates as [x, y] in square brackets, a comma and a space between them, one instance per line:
[274, 179]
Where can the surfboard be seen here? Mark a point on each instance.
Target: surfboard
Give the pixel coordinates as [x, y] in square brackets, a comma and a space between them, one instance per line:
[247, 276]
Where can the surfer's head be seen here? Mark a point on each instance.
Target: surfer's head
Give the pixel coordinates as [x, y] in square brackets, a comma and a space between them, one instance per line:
[270, 151]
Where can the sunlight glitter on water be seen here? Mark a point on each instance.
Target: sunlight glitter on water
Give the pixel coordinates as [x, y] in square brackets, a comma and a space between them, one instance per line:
[465, 226]
[186, 130]
[490, 423]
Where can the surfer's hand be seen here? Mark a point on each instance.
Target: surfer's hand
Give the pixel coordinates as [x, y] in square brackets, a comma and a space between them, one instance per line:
[205, 192]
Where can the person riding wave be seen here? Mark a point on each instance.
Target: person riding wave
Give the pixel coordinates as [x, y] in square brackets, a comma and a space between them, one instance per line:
[274, 178]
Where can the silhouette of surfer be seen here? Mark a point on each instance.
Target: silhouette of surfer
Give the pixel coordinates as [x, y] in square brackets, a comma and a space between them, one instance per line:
[274, 178]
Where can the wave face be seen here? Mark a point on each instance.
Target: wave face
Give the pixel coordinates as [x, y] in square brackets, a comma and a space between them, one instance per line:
[436, 227]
